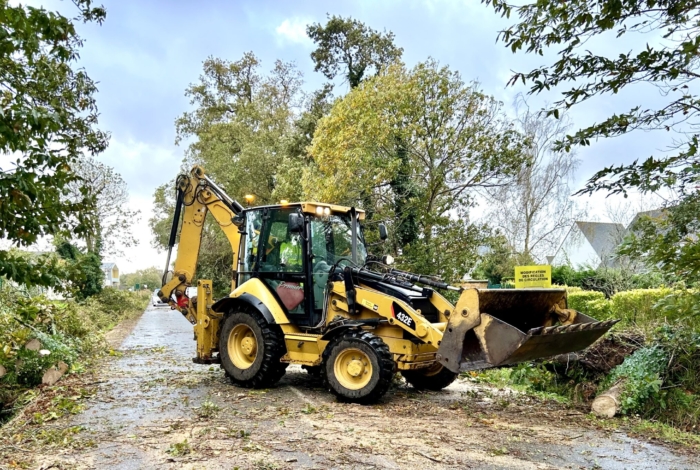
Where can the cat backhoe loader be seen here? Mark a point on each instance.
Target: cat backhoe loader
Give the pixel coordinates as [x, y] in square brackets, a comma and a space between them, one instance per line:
[305, 291]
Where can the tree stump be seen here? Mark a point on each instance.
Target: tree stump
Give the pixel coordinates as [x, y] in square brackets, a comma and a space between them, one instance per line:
[607, 404]
[2, 371]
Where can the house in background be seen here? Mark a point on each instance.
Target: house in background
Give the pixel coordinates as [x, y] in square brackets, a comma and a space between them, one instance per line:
[595, 244]
[111, 274]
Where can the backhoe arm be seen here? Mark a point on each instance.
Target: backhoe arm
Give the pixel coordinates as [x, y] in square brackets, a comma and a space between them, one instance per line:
[197, 194]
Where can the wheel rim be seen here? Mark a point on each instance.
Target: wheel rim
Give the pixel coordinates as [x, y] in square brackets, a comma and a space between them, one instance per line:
[242, 346]
[353, 369]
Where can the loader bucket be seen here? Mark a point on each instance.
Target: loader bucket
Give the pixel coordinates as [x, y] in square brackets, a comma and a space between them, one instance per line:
[518, 325]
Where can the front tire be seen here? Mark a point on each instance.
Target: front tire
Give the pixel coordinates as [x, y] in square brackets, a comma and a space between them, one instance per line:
[358, 367]
[435, 377]
[250, 350]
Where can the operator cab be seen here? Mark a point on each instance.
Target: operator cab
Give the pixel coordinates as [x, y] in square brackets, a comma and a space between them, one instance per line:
[292, 249]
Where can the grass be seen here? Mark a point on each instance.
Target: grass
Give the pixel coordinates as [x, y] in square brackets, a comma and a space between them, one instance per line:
[179, 449]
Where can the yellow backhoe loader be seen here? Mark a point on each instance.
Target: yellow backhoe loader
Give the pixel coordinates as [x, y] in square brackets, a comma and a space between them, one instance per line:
[304, 291]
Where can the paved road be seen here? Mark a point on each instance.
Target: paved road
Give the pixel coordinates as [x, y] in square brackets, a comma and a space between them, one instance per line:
[154, 408]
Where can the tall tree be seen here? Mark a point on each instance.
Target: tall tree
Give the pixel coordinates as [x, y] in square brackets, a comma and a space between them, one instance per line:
[113, 220]
[668, 63]
[242, 122]
[241, 129]
[535, 210]
[349, 47]
[48, 119]
[444, 137]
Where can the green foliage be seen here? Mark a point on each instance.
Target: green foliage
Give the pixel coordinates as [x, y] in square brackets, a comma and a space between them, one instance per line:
[411, 147]
[591, 303]
[669, 64]
[668, 240]
[246, 132]
[609, 281]
[30, 269]
[178, 449]
[641, 374]
[150, 277]
[351, 45]
[566, 275]
[68, 331]
[499, 263]
[662, 381]
[646, 309]
[47, 117]
[82, 273]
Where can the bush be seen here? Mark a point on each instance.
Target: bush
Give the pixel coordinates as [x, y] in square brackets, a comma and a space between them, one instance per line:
[68, 331]
[581, 300]
[662, 380]
[641, 374]
[638, 307]
[643, 308]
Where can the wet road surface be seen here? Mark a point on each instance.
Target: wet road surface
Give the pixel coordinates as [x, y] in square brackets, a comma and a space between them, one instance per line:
[154, 408]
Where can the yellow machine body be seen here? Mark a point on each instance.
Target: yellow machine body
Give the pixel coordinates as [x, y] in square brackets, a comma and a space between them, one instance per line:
[485, 328]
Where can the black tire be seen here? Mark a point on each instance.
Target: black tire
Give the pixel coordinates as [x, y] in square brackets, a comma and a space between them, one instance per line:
[429, 379]
[266, 368]
[375, 350]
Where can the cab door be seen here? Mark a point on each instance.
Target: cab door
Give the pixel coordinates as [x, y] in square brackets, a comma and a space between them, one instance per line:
[280, 261]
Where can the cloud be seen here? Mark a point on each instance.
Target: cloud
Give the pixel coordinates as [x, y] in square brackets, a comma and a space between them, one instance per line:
[293, 31]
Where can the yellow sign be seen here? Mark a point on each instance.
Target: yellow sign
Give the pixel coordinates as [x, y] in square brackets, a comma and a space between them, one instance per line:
[533, 276]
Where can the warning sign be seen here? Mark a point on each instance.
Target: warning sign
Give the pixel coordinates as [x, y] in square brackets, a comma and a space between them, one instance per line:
[533, 276]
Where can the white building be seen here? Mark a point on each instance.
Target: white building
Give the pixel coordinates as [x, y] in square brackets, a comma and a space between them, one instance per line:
[111, 274]
[595, 244]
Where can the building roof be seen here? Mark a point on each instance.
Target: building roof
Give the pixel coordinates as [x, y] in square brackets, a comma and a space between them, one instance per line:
[106, 266]
[604, 237]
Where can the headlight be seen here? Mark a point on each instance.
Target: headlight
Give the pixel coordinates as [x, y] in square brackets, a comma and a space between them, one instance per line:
[327, 211]
[388, 259]
[319, 210]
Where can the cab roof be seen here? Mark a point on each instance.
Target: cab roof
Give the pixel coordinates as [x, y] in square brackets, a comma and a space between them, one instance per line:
[311, 208]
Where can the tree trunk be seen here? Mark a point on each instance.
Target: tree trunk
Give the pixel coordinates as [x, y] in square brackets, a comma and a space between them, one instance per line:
[607, 404]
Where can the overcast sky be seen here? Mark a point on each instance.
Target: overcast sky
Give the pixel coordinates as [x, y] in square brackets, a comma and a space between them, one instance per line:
[147, 52]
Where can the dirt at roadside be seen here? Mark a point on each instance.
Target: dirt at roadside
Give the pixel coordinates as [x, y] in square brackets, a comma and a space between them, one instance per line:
[151, 407]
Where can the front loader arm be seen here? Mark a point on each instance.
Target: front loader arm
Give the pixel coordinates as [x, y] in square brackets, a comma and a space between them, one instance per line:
[198, 195]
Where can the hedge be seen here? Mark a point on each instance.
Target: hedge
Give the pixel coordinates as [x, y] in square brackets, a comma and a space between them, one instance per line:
[644, 308]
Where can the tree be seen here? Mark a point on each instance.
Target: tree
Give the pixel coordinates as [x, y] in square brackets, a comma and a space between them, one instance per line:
[444, 137]
[83, 274]
[534, 211]
[113, 219]
[150, 277]
[47, 120]
[242, 122]
[243, 126]
[499, 262]
[349, 47]
[670, 64]
[291, 169]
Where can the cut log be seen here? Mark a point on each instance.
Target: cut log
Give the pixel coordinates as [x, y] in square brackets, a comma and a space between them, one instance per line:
[2, 371]
[52, 375]
[607, 404]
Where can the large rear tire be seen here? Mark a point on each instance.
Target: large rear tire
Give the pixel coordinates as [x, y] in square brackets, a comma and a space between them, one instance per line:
[435, 377]
[250, 350]
[358, 367]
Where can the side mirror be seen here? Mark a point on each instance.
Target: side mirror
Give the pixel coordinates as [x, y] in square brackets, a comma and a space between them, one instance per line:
[383, 234]
[296, 223]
